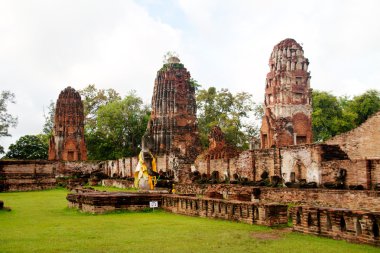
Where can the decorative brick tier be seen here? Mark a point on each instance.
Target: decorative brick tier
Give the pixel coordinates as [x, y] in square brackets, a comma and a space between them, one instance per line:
[338, 223]
[101, 202]
[287, 103]
[242, 211]
[67, 142]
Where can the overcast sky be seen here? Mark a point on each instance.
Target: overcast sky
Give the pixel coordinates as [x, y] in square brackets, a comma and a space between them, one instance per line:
[47, 45]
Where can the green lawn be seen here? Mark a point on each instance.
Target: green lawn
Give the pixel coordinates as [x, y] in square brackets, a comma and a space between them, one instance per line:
[41, 222]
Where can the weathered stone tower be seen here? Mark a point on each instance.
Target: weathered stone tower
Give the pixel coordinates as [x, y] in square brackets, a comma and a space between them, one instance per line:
[67, 142]
[287, 104]
[173, 125]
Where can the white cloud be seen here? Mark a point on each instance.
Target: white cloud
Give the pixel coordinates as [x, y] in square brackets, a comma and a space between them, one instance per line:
[49, 45]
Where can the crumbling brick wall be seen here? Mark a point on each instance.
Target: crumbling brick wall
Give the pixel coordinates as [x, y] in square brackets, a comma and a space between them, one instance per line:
[264, 161]
[356, 171]
[243, 211]
[244, 165]
[350, 199]
[27, 175]
[361, 142]
[351, 225]
[124, 167]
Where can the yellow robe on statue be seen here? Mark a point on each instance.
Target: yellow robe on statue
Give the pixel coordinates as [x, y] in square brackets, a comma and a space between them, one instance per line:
[141, 172]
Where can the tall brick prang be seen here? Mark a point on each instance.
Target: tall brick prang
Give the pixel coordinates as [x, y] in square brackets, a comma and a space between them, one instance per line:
[287, 104]
[67, 142]
[173, 123]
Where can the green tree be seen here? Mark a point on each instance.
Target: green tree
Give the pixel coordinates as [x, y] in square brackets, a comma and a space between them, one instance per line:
[6, 119]
[364, 105]
[334, 115]
[94, 98]
[119, 127]
[29, 147]
[228, 111]
[326, 116]
[49, 119]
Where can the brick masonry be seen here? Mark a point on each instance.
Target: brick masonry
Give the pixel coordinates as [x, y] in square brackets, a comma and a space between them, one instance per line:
[287, 103]
[27, 175]
[349, 199]
[242, 211]
[173, 124]
[102, 202]
[338, 223]
[361, 142]
[67, 142]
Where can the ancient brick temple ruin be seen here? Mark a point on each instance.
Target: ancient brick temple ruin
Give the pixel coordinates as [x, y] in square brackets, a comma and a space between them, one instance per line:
[67, 142]
[173, 124]
[287, 105]
[330, 189]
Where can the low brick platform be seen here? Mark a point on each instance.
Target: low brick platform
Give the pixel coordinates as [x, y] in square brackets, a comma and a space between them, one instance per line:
[101, 202]
[243, 211]
[339, 223]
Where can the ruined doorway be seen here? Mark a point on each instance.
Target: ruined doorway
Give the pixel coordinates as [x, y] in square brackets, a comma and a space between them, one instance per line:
[70, 155]
[300, 139]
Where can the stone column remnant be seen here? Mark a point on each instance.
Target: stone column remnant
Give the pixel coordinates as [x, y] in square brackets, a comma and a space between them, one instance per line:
[67, 142]
[287, 104]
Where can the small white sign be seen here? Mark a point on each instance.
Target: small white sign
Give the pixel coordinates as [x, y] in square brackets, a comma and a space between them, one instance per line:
[153, 204]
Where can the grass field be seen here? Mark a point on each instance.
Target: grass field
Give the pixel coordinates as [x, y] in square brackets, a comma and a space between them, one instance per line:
[41, 222]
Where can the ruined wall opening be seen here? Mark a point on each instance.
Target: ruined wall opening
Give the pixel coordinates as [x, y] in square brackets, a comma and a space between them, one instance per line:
[70, 155]
[256, 213]
[358, 227]
[342, 224]
[328, 222]
[298, 220]
[265, 141]
[292, 177]
[301, 139]
[309, 220]
[375, 230]
[299, 170]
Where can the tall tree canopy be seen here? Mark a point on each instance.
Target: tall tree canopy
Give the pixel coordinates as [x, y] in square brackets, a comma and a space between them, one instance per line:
[118, 128]
[29, 147]
[94, 98]
[364, 105]
[229, 112]
[49, 119]
[6, 119]
[334, 115]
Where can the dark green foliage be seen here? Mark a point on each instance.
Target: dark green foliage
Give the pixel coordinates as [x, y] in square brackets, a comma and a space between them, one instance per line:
[94, 98]
[29, 147]
[334, 115]
[118, 129]
[365, 105]
[228, 111]
[167, 66]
